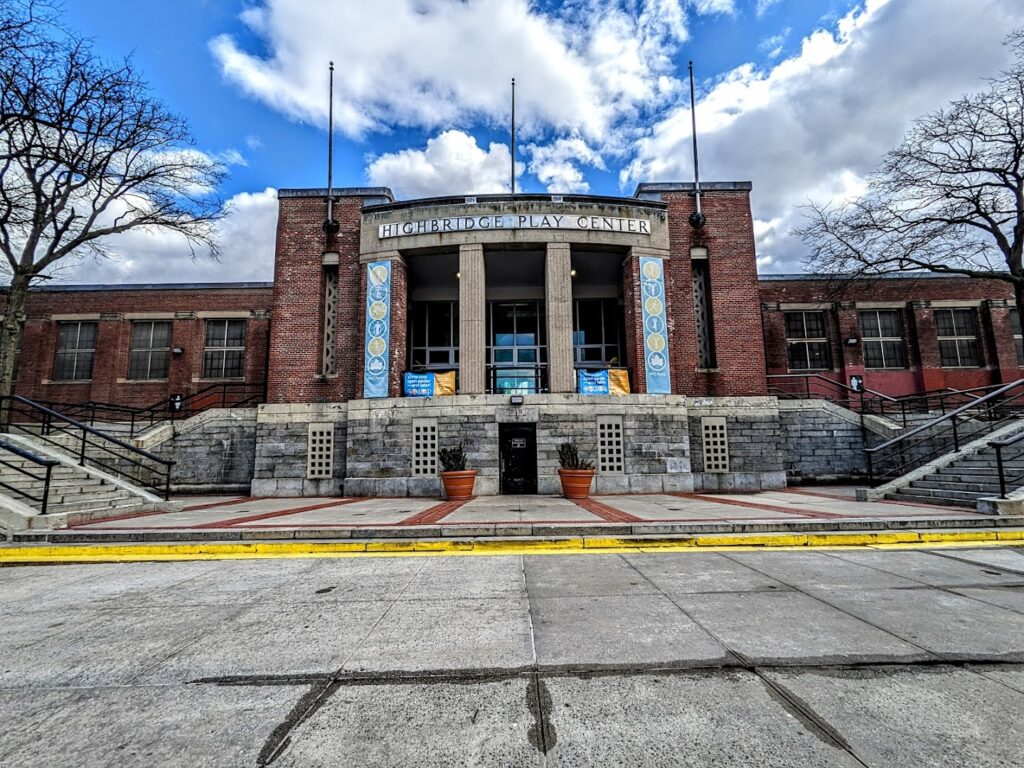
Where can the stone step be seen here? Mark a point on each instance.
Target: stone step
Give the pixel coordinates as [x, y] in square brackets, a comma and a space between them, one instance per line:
[942, 493]
[939, 485]
[918, 499]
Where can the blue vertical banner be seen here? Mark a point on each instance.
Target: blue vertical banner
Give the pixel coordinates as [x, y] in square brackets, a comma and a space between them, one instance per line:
[652, 297]
[378, 329]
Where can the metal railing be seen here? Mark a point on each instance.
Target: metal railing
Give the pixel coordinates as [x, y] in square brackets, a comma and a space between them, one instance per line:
[89, 445]
[945, 433]
[46, 467]
[517, 379]
[868, 401]
[1002, 462]
[141, 418]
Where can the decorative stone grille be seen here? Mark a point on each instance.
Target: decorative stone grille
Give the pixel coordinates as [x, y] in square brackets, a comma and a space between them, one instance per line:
[320, 452]
[424, 447]
[610, 453]
[715, 440]
[330, 321]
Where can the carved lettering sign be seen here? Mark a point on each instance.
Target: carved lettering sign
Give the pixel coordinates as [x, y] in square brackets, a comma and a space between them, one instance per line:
[513, 221]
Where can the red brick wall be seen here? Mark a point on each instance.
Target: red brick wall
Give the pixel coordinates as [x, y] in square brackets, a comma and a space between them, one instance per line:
[109, 383]
[739, 349]
[924, 370]
[295, 343]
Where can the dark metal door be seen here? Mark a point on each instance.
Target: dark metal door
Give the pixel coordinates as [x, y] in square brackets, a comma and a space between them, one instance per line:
[518, 452]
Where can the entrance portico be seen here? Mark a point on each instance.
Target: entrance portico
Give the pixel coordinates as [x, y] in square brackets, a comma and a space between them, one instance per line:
[504, 271]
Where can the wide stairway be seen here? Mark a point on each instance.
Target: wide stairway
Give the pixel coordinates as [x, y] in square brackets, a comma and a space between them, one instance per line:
[55, 470]
[962, 482]
[72, 489]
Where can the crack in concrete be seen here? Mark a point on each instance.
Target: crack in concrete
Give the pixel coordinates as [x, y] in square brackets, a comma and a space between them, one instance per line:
[541, 734]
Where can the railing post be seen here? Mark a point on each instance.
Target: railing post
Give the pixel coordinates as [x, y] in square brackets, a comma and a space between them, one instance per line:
[956, 435]
[871, 469]
[999, 469]
[46, 489]
[131, 432]
[903, 412]
[167, 486]
[81, 454]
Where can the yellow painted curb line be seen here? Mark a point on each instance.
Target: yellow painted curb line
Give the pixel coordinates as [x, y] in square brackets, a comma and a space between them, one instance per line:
[571, 545]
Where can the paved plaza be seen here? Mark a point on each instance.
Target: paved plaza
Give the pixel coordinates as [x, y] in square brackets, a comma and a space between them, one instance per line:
[351, 514]
[833, 657]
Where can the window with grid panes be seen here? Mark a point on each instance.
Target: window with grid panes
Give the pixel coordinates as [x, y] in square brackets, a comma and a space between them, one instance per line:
[597, 333]
[434, 335]
[957, 330]
[807, 341]
[76, 350]
[150, 352]
[1018, 338]
[882, 333]
[224, 356]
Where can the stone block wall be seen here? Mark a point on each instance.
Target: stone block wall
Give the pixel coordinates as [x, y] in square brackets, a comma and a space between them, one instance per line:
[756, 460]
[821, 441]
[282, 433]
[656, 446]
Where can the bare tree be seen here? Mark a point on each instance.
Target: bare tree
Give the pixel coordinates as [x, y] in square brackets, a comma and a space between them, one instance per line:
[86, 153]
[949, 199]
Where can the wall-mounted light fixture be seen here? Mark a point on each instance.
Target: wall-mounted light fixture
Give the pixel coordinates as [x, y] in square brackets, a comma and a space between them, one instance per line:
[851, 342]
[572, 273]
[177, 350]
[516, 400]
[458, 275]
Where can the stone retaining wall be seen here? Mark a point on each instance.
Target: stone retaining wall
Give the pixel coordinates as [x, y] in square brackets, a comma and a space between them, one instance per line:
[755, 444]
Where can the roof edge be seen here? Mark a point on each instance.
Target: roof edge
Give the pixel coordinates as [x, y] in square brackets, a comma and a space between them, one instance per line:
[145, 287]
[337, 192]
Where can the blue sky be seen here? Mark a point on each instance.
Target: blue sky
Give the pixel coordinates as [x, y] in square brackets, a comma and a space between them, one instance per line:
[799, 96]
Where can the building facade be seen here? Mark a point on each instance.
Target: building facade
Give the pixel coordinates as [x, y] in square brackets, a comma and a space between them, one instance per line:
[511, 324]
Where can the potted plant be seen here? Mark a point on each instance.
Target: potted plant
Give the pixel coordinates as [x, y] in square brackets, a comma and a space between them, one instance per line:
[576, 473]
[458, 481]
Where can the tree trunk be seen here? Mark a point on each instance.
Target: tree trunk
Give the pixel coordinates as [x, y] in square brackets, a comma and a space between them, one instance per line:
[10, 330]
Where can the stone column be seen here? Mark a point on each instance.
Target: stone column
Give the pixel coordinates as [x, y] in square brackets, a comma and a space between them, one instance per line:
[558, 295]
[472, 320]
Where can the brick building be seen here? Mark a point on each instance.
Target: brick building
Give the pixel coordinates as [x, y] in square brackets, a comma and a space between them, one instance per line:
[613, 322]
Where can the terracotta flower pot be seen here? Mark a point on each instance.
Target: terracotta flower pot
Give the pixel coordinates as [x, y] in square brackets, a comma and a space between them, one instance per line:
[458, 486]
[576, 482]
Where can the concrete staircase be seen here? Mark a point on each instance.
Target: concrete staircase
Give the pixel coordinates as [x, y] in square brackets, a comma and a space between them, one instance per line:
[77, 494]
[960, 483]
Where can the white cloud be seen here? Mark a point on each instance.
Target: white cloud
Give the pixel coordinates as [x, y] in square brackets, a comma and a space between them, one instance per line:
[763, 6]
[715, 6]
[775, 45]
[451, 164]
[589, 68]
[813, 125]
[246, 237]
[557, 165]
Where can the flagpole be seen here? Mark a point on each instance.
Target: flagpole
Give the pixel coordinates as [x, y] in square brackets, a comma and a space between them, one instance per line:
[513, 136]
[697, 219]
[330, 148]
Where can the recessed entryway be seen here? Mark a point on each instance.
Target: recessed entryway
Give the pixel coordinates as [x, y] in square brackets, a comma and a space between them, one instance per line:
[518, 458]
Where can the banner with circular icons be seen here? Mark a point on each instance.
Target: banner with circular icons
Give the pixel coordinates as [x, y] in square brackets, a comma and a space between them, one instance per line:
[378, 329]
[652, 297]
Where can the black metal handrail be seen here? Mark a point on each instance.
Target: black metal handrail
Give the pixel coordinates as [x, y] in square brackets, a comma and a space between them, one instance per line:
[938, 436]
[537, 375]
[47, 466]
[999, 446]
[93, 447]
[871, 402]
[138, 418]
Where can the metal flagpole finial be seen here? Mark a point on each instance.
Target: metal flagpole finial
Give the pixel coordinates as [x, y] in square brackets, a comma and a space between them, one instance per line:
[697, 218]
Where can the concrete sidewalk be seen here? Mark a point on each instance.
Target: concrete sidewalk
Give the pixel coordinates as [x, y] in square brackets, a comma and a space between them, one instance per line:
[789, 659]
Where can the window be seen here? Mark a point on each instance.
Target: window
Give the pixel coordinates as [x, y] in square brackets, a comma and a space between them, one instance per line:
[224, 357]
[882, 333]
[434, 331]
[958, 338]
[1018, 338]
[806, 341]
[517, 348]
[596, 334]
[76, 348]
[150, 351]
